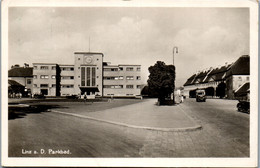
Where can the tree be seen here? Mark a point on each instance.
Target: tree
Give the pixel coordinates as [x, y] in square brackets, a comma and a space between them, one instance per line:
[161, 80]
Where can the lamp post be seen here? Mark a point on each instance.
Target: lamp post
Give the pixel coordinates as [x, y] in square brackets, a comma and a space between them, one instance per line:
[175, 50]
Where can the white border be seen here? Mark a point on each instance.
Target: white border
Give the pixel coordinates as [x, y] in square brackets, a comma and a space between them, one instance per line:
[140, 162]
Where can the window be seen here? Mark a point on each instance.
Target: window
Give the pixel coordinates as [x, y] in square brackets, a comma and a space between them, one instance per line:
[88, 76]
[53, 77]
[34, 85]
[113, 86]
[138, 78]
[44, 77]
[93, 76]
[110, 69]
[129, 68]
[138, 86]
[138, 69]
[34, 76]
[53, 67]
[120, 77]
[44, 67]
[78, 58]
[129, 86]
[83, 80]
[29, 81]
[67, 86]
[67, 77]
[109, 78]
[35, 67]
[129, 78]
[44, 85]
[121, 68]
[53, 85]
[67, 69]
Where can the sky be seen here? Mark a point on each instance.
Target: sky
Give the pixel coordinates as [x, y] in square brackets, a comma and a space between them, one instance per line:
[205, 37]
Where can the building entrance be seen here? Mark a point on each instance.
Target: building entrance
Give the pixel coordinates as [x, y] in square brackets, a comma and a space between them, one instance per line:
[44, 91]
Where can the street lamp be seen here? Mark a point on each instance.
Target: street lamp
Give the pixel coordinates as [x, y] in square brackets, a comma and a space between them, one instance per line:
[175, 50]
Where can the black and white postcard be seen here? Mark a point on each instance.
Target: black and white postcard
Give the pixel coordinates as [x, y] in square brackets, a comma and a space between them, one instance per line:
[129, 83]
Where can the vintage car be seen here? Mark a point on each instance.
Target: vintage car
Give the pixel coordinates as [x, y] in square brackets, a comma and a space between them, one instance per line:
[243, 106]
[200, 95]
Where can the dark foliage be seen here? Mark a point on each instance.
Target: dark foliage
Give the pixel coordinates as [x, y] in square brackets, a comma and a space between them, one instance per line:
[161, 80]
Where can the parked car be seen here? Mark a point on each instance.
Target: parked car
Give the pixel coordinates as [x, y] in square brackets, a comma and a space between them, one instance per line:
[39, 96]
[243, 106]
[200, 95]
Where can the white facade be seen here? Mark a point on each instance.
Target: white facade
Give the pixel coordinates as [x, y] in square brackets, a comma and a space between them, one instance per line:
[44, 79]
[87, 76]
[122, 80]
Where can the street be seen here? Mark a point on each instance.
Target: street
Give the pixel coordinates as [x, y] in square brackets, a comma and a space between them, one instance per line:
[224, 133]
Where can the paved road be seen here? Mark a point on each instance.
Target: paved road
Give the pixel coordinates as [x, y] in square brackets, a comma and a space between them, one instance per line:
[225, 133]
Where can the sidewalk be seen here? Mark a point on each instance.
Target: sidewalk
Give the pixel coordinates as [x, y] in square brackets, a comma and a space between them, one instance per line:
[142, 115]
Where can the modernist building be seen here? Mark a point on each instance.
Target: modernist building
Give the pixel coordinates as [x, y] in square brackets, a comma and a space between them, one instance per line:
[88, 75]
[222, 81]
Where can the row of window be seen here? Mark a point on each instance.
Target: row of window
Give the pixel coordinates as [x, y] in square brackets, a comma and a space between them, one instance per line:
[72, 68]
[121, 78]
[53, 77]
[53, 68]
[54, 85]
[121, 69]
[122, 86]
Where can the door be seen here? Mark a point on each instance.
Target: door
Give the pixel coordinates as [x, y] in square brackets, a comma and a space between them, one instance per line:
[44, 91]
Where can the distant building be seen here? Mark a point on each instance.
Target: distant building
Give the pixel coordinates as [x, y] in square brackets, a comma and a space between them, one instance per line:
[88, 75]
[221, 81]
[23, 76]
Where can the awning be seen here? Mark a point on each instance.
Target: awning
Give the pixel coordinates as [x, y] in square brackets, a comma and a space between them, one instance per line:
[243, 90]
[89, 89]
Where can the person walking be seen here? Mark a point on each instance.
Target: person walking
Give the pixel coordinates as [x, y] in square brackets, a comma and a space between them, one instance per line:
[85, 97]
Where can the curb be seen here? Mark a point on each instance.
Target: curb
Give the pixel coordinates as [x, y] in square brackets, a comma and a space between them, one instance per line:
[197, 127]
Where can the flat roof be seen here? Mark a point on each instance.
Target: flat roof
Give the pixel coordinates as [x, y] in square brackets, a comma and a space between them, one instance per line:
[80, 52]
[45, 63]
[65, 65]
[128, 65]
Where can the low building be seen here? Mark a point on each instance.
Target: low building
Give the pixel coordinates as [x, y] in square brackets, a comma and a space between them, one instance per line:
[221, 81]
[23, 76]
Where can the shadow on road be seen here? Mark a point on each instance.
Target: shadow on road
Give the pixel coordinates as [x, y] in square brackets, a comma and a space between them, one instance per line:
[16, 111]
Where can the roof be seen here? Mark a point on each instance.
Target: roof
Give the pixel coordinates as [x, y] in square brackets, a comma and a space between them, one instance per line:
[44, 63]
[13, 83]
[240, 67]
[128, 65]
[218, 74]
[89, 53]
[70, 65]
[20, 72]
[189, 81]
[242, 90]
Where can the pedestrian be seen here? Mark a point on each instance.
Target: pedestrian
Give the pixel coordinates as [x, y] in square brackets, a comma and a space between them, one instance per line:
[85, 97]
